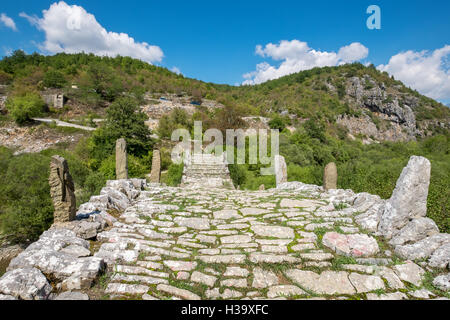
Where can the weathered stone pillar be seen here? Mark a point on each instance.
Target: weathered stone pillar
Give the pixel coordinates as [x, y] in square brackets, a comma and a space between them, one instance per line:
[280, 170]
[121, 159]
[409, 198]
[62, 190]
[330, 176]
[155, 174]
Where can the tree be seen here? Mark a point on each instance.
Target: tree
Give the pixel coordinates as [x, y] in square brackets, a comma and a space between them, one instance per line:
[24, 107]
[123, 120]
[54, 79]
[102, 80]
[277, 123]
[26, 206]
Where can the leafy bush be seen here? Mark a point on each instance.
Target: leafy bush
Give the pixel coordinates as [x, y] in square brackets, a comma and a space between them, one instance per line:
[237, 174]
[174, 174]
[5, 78]
[177, 118]
[277, 123]
[23, 108]
[123, 120]
[136, 167]
[54, 79]
[26, 209]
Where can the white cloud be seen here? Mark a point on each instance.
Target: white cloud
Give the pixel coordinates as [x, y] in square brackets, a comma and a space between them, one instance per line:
[72, 29]
[427, 72]
[8, 22]
[353, 52]
[176, 70]
[297, 56]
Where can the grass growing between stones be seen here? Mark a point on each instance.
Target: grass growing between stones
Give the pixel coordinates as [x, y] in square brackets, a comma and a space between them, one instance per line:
[339, 261]
[428, 283]
[3, 265]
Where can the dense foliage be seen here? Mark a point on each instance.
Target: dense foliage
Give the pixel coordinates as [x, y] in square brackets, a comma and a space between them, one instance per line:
[23, 108]
[123, 120]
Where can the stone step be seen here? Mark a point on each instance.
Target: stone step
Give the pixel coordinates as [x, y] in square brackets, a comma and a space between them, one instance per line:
[207, 173]
[208, 169]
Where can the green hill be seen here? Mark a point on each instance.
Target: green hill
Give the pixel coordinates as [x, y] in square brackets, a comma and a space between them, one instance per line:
[362, 119]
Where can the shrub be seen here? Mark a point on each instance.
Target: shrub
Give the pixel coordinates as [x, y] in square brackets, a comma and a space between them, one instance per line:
[26, 205]
[23, 108]
[174, 174]
[277, 123]
[54, 79]
[5, 78]
[136, 167]
[123, 120]
[237, 174]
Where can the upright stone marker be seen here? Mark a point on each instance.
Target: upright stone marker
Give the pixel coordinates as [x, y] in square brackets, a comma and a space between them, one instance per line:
[409, 199]
[121, 159]
[155, 175]
[62, 190]
[330, 176]
[280, 169]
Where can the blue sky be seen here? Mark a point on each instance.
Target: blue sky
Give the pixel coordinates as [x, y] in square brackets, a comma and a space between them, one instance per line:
[216, 41]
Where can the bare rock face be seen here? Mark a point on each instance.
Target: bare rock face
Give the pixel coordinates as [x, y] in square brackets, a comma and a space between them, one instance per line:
[25, 283]
[155, 175]
[62, 191]
[409, 199]
[415, 230]
[442, 282]
[423, 248]
[330, 176]
[280, 170]
[352, 245]
[121, 159]
[441, 257]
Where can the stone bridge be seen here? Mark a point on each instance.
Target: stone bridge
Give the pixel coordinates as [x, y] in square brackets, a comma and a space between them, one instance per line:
[297, 241]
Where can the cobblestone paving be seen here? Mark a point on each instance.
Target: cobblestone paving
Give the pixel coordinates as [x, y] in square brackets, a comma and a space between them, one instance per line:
[181, 243]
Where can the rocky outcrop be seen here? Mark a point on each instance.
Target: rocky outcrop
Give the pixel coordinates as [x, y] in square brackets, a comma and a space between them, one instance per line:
[409, 199]
[415, 230]
[390, 105]
[62, 256]
[402, 218]
[53, 258]
[25, 284]
[62, 190]
[375, 97]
